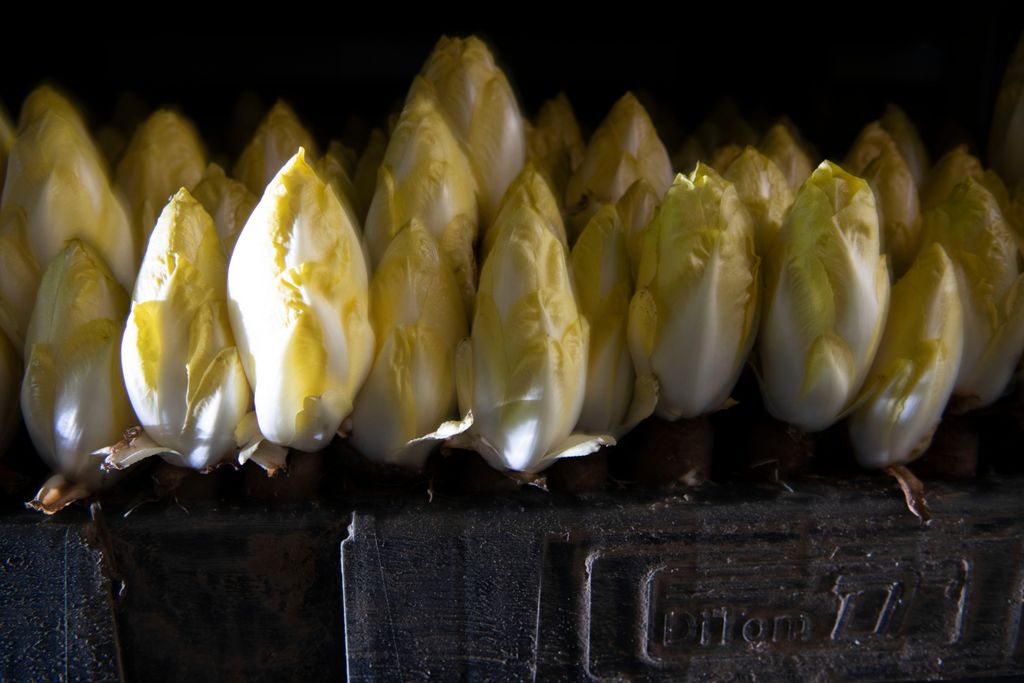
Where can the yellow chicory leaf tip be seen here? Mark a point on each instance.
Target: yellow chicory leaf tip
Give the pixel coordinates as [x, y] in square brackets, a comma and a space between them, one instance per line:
[908, 141]
[765, 192]
[277, 139]
[530, 189]
[45, 99]
[228, 202]
[870, 142]
[624, 149]
[335, 167]
[950, 170]
[896, 195]
[779, 145]
[164, 154]
[556, 144]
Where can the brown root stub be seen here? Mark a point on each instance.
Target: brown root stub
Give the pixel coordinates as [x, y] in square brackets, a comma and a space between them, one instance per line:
[361, 475]
[913, 492]
[775, 451]
[589, 473]
[299, 482]
[538, 480]
[169, 478]
[465, 471]
[953, 453]
[664, 454]
[186, 484]
[56, 494]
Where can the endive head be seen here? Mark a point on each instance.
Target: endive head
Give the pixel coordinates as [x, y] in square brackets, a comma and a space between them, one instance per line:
[971, 228]
[476, 97]
[765, 192]
[165, 154]
[181, 368]
[870, 142]
[826, 297]
[6, 130]
[636, 209]
[10, 383]
[809, 149]
[1006, 139]
[529, 189]
[556, 145]
[58, 182]
[950, 170]
[694, 316]
[278, 138]
[779, 145]
[228, 202]
[297, 298]
[723, 156]
[604, 283]
[365, 179]
[335, 168]
[991, 181]
[343, 155]
[73, 397]
[725, 125]
[624, 149]
[418, 322]
[426, 175]
[1016, 208]
[19, 277]
[908, 141]
[6, 141]
[523, 372]
[898, 209]
[45, 99]
[915, 368]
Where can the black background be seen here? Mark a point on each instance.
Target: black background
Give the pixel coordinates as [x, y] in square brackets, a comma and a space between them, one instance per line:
[830, 68]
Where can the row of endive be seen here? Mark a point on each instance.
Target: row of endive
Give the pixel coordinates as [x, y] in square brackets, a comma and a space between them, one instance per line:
[264, 318]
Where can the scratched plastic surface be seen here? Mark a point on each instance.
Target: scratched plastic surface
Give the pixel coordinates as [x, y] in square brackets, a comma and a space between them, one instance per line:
[829, 581]
[55, 617]
[823, 583]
